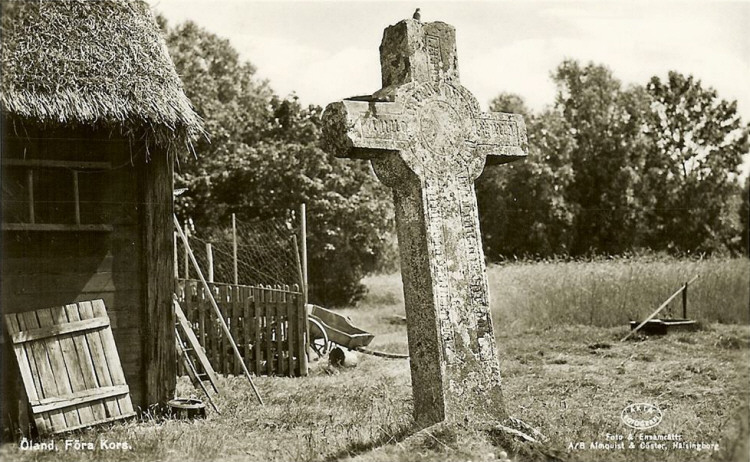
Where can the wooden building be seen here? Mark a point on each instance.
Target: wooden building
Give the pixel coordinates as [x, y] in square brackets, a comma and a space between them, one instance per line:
[93, 117]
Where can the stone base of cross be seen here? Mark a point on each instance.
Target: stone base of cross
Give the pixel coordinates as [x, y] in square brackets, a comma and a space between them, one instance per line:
[428, 140]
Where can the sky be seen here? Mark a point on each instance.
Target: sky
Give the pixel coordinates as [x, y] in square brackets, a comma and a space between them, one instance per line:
[324, 51]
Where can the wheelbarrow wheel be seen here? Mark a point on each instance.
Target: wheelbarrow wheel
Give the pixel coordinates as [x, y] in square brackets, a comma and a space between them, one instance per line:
[318, 338]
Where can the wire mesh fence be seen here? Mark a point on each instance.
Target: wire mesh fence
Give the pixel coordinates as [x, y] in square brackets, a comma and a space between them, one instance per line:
[267, 252]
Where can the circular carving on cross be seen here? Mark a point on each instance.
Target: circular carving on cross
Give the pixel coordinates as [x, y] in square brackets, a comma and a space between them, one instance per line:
[440, 128]
[442, 115]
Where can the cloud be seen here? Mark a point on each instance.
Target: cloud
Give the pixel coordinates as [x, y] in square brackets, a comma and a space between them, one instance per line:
[637, 46]
[635, 51]
[317, 75]
[348, 72]
[521, 67]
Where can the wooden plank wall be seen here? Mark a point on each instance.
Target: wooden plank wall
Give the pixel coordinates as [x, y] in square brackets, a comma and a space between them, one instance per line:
[157, 279]
[42, 269]
[269, 325]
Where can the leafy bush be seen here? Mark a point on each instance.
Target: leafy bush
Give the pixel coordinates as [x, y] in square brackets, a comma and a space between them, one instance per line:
[264, 159]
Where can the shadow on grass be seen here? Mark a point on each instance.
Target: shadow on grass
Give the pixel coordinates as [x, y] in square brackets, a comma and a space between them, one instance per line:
[387, 438]
[527, 452]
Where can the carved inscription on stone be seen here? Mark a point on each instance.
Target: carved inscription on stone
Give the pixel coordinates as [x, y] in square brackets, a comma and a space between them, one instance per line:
[375, 128]
[435, 216]
[502, 132]
[432, 43]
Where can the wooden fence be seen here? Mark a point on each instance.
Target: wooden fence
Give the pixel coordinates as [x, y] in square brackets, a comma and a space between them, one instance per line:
[269, 325]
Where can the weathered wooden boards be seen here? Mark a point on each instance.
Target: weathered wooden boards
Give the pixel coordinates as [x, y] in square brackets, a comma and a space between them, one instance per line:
[69, 366]
[268, 324]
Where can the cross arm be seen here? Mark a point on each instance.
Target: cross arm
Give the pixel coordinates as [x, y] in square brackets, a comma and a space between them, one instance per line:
[364, 128]
[501, 136]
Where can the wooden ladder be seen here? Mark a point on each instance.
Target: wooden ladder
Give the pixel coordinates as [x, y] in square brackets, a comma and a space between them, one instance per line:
[187, 345]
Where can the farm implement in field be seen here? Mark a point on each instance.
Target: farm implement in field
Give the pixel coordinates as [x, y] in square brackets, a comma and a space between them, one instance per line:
[327, 328]
[654, 326]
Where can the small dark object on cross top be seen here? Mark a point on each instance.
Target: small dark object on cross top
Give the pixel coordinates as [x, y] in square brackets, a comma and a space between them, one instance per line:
[417, 15]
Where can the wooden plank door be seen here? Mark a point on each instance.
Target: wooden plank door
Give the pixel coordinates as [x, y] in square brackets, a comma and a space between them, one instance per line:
[69, 366]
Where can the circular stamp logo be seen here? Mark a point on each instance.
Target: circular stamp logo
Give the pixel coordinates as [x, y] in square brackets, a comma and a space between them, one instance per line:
[641, 416]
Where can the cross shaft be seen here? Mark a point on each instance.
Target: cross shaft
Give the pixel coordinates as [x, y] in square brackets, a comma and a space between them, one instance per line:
[428, 140]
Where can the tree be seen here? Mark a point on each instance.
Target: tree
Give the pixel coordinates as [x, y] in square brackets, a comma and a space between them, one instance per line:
[510, 102]
[745, 218]
[522, 207]
[264, 158]
[348, 210]
[612, 169]
[233, 103]
[606, 123]
[693, 165]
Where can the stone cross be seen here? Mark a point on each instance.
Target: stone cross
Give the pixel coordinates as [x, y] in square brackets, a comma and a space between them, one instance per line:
[428, 140]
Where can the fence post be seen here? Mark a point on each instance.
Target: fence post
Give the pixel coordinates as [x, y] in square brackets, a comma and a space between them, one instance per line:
[684, 301]
[234, 250]
[303, 238]
[217, 310]
[210, 256]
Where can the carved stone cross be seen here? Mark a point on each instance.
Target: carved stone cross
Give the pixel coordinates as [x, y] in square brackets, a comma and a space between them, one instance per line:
[428, 140]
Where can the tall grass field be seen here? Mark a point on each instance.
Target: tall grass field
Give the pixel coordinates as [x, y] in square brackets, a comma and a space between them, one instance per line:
[608, 293]
[565, 372]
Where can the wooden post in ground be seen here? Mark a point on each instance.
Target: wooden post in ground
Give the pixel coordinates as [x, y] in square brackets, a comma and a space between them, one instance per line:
[210, 257]
[684, 301]
[234, 250]
[300, 271]
[303, 239]
[158, 285]
[304, 332]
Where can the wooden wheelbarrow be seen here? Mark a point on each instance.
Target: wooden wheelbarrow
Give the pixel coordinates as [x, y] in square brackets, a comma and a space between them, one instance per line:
[327, 327]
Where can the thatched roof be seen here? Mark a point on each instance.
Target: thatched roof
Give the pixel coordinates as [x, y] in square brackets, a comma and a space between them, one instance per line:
[101, 62]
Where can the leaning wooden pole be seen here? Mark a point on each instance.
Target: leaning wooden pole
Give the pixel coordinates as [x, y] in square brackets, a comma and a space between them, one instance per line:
[210, 258]
[220, 316]
[661, 307]
[176, 257]
[187, 258]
